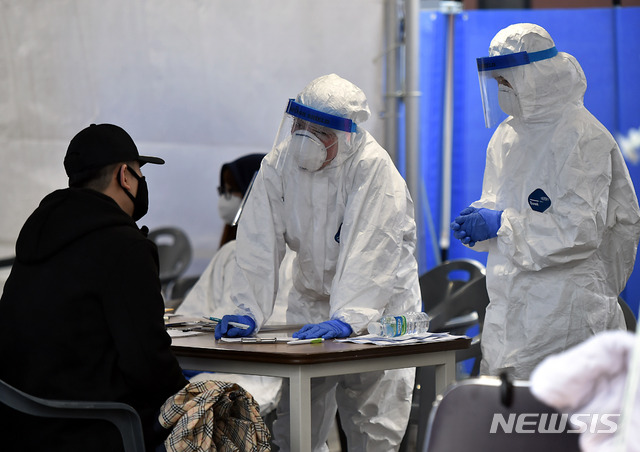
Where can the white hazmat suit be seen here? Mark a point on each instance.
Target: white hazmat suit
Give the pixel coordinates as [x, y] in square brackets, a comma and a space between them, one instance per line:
[570, 220]
[351, 225]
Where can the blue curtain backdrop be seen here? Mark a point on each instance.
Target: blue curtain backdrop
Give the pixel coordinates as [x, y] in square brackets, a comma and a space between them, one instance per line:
[605, 42]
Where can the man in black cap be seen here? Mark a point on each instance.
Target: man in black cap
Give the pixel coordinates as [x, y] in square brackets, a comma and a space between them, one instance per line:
[81, 315]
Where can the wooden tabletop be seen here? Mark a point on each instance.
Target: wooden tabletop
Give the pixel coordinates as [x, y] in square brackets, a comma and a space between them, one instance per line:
[205, 346]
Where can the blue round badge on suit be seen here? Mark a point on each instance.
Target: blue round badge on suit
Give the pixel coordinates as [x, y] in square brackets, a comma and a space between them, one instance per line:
[539, 201]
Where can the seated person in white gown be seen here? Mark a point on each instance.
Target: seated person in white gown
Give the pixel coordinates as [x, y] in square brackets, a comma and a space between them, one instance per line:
[210, 295]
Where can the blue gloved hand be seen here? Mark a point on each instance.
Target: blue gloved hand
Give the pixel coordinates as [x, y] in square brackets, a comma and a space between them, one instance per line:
[329, 329]
[474, 225]
[459, 233]
[224, 329]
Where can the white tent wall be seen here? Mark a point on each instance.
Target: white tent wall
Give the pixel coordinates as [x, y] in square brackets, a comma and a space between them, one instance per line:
[196, 82]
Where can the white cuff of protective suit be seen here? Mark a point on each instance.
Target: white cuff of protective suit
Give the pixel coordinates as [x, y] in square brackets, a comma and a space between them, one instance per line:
[358, 319]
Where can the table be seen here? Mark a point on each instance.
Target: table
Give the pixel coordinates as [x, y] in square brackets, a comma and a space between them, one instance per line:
[301, 363]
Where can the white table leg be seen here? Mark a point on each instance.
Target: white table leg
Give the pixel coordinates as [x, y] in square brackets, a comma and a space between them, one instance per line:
[300, 411]
[445, 374]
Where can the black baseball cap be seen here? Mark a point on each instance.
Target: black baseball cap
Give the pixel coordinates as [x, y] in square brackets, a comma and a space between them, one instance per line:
[100, 145]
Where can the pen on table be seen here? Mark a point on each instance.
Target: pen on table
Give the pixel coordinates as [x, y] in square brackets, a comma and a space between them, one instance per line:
[317, 340]
[242, 326]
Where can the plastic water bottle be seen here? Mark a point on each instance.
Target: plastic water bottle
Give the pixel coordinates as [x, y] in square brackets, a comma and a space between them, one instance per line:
[392, 326]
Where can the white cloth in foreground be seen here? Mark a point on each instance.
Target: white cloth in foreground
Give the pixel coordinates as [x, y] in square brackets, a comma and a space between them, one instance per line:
[589, 379]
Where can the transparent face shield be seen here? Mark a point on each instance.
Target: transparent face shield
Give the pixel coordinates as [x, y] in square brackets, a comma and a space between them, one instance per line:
[499, 97]
[311, 138]
[244, 201]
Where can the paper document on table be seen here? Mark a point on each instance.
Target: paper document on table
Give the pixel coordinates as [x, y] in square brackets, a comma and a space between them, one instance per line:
[266, 338]
[188, 326]
[256, 340]
[401, 340]
[185, 333]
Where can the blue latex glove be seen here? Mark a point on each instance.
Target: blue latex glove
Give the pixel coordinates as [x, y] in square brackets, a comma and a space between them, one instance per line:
[224, 329]
[459, 233]
[327, 330]
[474, 225]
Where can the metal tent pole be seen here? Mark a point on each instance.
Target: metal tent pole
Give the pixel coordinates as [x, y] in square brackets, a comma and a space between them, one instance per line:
[451, 8]
[412, 112]
[392, 30]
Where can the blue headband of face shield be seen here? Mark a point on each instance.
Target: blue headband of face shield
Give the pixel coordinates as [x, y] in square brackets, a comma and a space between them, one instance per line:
[514, 59]
[319, 117]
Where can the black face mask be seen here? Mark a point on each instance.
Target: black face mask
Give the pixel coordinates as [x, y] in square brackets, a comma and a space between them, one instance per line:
[141, 201]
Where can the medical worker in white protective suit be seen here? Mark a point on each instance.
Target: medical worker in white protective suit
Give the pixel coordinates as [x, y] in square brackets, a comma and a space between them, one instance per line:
[558, 213]
[330, 192]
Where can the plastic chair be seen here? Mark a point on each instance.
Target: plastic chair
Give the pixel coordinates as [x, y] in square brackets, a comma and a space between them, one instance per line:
[484, 413]
[471, 298]
[183, 286]
[454, 295]
[442, 281]
[175, 252]
[124, 417]
[7, 262]
[464, 308]
[457, 300]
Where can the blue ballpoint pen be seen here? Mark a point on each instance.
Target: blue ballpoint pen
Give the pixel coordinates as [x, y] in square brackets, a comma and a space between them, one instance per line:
[242, 326]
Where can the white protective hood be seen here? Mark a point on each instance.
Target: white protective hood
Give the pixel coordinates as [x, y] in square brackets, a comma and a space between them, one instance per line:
[545, 86]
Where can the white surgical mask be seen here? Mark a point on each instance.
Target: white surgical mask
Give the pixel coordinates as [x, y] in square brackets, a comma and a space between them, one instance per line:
[508, 100]
[309, 151]
[228, 207]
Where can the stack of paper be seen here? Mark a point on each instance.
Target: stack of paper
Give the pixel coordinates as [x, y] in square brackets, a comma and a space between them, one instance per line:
[401, 340]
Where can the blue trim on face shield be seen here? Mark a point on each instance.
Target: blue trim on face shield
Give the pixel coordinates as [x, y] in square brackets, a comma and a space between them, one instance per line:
[319, 117]
[514, 59]
[543, 54]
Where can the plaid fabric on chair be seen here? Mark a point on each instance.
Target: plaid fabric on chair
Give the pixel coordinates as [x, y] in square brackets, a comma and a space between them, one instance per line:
[214, 416]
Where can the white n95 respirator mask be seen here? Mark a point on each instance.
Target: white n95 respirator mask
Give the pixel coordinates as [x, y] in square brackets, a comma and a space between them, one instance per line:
[308, 150]
[508, 101]
[228, 207]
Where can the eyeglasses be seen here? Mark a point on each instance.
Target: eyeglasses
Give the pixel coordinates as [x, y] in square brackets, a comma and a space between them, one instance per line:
[223, 192]
[227, 192]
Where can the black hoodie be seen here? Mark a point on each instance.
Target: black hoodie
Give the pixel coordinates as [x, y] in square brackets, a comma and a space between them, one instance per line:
[81, 317]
